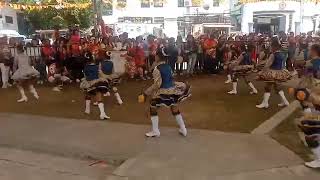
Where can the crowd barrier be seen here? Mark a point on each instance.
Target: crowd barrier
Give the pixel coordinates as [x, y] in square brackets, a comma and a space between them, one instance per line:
[34, 51]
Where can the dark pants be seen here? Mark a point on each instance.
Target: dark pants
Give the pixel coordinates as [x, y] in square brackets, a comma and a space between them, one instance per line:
[200, 62]
[41, 67]
[210, 65]
[172, 63]
[75, 66]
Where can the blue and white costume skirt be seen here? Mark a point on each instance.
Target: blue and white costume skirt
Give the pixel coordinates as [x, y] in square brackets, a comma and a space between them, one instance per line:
[113, 79]
[94, 86]
[171, 96]
[311, 129]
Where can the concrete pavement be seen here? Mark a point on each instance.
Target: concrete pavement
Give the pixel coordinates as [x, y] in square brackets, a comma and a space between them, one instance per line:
[203, 155]
[27, 165]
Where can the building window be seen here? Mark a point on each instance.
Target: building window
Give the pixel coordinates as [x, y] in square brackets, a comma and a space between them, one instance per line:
[180, 3]
[145, 3]
[158, 20]
[216, 3]
[9, 19]
[158, 3]
[137, 20]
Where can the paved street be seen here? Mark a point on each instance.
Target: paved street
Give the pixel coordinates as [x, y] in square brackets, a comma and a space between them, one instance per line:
[27, 165]
[203, 154]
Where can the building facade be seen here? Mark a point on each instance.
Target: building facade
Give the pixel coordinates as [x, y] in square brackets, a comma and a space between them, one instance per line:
[169, 17]
[274, 16]
[8, 19]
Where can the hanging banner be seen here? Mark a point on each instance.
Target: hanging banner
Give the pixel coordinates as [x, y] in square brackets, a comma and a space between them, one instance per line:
[197, 3]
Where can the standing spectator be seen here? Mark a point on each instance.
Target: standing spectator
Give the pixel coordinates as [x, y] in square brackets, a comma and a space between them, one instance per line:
[200, 54]
[180, 46]
[303, 46]
[191, 51]
[5, 61]
[291, 51]
[173, 53]
[39, 62]
[210, 55]
[220, 53]
[152, 47]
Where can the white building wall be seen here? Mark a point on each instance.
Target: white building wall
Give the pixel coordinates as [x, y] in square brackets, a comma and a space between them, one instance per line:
[7, 11]
[170, 11]
[307, 10]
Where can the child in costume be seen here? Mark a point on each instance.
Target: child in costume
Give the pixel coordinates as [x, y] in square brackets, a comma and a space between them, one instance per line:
[243, 68]
[310, 79]
[273, 74]
[310, 126]
[58, 75]
[24, 74]
[308, 93]
[106, 72]
[93, 86]
[165, 92]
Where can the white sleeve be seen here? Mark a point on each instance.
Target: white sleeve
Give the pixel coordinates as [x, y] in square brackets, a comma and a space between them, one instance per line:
[157, 81]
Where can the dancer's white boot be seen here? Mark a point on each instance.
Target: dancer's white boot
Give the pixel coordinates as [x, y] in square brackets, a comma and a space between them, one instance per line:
[229, 79]
[316, 162]
[265, 101]
[253, 89]
[284, 101]
[23, 95]
[155, 127]
[180, 122]
[33, 91]
[102, 112]
[234, 88]
[87, 108]
[118, 98]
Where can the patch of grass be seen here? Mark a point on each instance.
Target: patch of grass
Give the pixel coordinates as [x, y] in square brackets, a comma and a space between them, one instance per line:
[287, 134]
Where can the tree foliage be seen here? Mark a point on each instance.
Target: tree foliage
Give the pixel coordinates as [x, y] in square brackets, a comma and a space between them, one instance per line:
[50, 17]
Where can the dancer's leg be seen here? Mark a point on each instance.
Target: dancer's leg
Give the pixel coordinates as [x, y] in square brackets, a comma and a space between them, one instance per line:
[234, 85]
[101, 106]
[117, 95]
[22, 93]
[313, 143]
[155, 132]
[176, 113]
[33, 90]
[266, 96]
[87, 104]
[252, 87]
[284, 101]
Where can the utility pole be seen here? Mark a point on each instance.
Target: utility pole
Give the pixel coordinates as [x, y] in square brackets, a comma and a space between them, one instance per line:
[97, 13]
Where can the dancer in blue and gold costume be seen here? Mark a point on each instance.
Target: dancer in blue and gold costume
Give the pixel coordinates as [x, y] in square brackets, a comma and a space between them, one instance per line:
[94, 86]
[165, 92]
